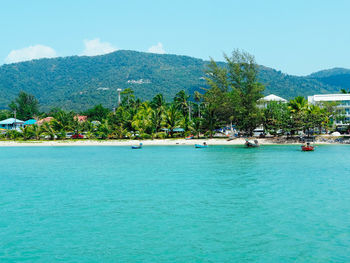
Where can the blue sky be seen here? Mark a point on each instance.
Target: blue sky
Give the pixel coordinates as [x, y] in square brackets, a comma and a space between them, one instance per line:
[296, 37]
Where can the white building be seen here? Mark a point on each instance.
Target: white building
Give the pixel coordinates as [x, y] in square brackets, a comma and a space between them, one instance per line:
[273, 97]
[342, 99]
[265, 100]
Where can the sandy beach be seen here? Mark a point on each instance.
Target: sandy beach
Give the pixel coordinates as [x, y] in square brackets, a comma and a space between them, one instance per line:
[156, 142]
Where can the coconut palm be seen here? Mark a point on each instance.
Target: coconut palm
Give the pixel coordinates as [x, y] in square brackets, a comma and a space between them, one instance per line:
[197, 98]
[156, 119]
[142, 119]
[27, 132]
[36, 131]
[48, 130]
[172, 118]
[298, 108]
[90, 128]
[210, 118]
[158, 101]
[185, 122]
[197, 126]
[298, 105]
[181, 102]
[104, 130]
[63, 120]
[120, 132]
[344, 91]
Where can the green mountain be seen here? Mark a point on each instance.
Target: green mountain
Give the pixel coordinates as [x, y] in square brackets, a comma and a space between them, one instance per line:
[79, 82]
[336, 77]
[329, 73]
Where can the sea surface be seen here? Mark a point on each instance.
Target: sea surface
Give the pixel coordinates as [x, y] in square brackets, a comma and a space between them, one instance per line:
[174, 204]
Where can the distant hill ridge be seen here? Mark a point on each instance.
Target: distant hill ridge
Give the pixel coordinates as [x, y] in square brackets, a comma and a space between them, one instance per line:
[79, 82]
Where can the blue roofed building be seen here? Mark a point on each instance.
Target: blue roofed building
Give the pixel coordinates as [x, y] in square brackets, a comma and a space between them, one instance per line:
[29, 122]
[11, 124]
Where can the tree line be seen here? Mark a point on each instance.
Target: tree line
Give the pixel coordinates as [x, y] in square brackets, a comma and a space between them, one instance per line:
[233, 98]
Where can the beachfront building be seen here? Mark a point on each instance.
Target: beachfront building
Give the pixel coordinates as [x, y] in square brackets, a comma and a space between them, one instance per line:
[11, 124]
[267, 99]
[343, 101]
[30, 122]
[262, 103]
[47, 119]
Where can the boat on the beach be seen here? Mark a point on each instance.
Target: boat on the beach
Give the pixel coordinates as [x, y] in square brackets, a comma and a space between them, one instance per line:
[251, 144]
[204, 145]
[136, 146]
[189, 137]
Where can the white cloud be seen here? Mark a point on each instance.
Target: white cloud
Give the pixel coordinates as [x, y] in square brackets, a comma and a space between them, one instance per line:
[29, 53]
[95, 47]
[157, 49]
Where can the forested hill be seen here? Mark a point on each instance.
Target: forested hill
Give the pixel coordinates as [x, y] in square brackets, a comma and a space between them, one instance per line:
[79, 82]
[338, 77]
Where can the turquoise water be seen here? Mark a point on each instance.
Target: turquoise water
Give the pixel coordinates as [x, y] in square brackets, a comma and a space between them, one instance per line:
[174, 204]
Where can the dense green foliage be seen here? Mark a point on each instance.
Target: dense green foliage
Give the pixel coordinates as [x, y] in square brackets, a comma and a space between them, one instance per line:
[329, 73]
[77, 83]
[234, 92]
[26, 106]
[233, 97]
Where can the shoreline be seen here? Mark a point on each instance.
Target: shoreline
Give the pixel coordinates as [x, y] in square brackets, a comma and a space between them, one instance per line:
[156, 142]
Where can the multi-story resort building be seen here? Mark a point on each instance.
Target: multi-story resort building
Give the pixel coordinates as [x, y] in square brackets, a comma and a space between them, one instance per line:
[343, 103]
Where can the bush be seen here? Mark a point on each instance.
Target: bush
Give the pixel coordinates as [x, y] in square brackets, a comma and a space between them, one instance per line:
[145, 136]
[160, 135]
[13, 134]
[178, 135]
[207, 134]
[188, 133]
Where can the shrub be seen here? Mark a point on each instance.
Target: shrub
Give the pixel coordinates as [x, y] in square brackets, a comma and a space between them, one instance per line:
[160, 135]
[188, 133]
[178, 135]
[145, 136]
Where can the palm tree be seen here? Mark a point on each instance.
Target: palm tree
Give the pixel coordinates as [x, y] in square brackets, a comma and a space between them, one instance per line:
[36, 131]
[104, 130]
[142, 119]
[314, 118]
[172, 118]
[197, 98]
[298, 108]
[181, 102]
[185, 122]
[156, 120]
[158, 105]
[27, 132]
[77, 126]
[197, 126]
[344, 91]
[298, 104]
[48, 130]
[63, 120]
[90, 128]
[158, 102]
[121, 132]
[210, 119]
